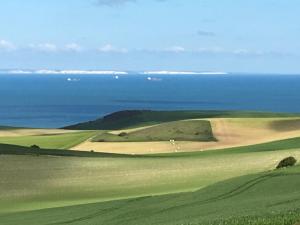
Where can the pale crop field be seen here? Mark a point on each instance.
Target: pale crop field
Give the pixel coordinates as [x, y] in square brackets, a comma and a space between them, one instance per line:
[229, 132]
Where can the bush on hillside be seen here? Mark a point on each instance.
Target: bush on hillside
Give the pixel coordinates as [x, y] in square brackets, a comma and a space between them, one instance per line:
[287, 162]
[35, 147]
[123, 134]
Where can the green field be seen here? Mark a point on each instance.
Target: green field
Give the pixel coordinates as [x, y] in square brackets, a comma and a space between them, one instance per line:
[50, 141]
[287, 144]
[270, 198]
[179, 131]
[47, 181]
[139, 118]
[233, 186]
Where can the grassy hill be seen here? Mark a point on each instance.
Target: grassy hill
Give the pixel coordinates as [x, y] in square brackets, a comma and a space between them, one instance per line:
[6, 128]
[179, 131]
[31, 181]
[270, 198]
[135, 118]
[230, 186]
[274, 146]
[15, 150]
[287, 144]
[49, 141]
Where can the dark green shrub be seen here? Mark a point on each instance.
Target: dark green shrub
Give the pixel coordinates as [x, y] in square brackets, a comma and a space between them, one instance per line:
[287, 162]
[122, 134]
[35, 147]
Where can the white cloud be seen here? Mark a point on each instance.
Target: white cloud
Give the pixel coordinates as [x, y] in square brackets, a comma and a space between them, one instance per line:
[7, 46]
[214, 50]
[108, 48]
[241, 52]
[247, 52]
[218, 51]
[73, 47]
[175, 49]
[44, 47]
[114, 2]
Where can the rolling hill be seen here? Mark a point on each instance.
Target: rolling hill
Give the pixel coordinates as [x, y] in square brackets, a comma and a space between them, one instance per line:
[199, 130]
[137, 118]
[49, 178]
[228, 186]
[269, 198]
[50, 141]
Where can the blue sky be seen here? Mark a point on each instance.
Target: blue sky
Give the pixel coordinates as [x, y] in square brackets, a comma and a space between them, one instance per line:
[201, 35]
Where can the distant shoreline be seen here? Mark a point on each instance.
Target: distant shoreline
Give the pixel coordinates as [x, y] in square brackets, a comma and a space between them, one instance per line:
[145, 73]
[107, 72]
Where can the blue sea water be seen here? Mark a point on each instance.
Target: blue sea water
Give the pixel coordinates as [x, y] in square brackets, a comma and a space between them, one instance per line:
[59, 100]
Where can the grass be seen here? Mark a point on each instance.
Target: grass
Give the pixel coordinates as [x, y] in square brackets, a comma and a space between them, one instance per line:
[30, 182]
[6, 128]
[179, 131]
[50, 141]
[229, 132]
[225, 187]
[138, 118]
[28, 151]
[286, 125]
[269, 198]
[281, 145]
[287, 144]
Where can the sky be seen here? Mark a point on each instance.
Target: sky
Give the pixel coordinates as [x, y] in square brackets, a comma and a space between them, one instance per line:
[136, 35]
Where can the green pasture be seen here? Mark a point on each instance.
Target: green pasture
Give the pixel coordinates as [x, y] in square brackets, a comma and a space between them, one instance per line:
[269, 198]
[39, 181]
[198, 130]
[234, 186]
[50, 141]
[138, 118]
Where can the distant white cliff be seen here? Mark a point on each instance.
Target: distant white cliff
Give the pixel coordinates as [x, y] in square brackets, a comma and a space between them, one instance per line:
[100, 72]
[181, 73]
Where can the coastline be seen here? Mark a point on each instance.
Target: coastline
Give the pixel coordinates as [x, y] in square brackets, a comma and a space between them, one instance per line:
[105, 72]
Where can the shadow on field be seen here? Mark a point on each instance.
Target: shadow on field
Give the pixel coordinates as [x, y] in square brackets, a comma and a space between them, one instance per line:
[165, 210]
[285, 125]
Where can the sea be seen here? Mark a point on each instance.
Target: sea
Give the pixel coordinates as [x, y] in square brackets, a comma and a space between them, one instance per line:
[54, 101]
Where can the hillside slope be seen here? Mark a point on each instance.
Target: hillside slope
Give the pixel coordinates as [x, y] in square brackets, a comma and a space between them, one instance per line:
[134, 118]
[270, 198]
[33, 179]
[49, 141]
[199, 130]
